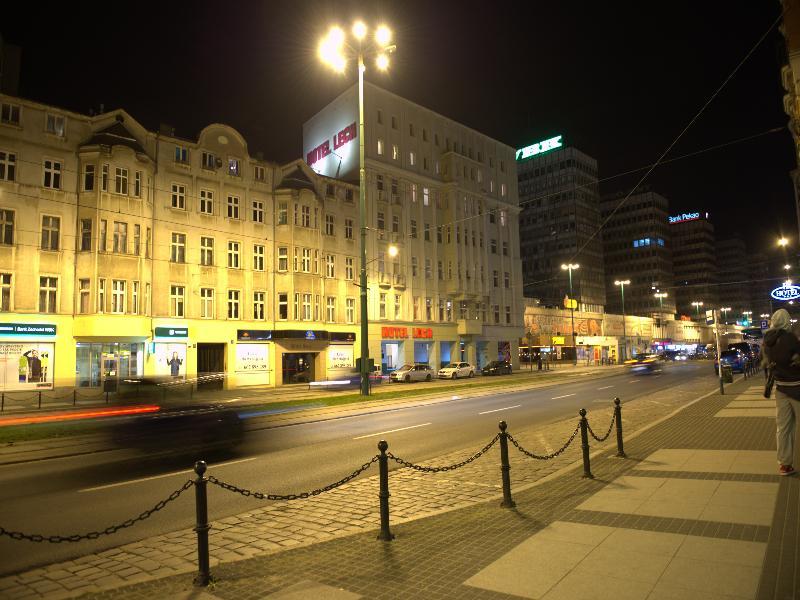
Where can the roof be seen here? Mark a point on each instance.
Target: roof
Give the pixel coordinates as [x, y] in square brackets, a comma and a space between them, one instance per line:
[296, 180]
[115, 135]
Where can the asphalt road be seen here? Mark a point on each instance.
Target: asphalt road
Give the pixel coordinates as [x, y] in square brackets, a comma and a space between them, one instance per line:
[91, 492]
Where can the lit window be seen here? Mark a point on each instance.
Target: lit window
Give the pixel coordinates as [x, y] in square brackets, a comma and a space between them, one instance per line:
[380, 147]
[283, 258]
[350, 310]
[55, 125]
[283, 213]
[207, 303]
[395, 152]
[233, 167]
[120, 238]
[259, 306]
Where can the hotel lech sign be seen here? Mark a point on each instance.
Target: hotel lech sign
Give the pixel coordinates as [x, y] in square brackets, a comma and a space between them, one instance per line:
[786, 292]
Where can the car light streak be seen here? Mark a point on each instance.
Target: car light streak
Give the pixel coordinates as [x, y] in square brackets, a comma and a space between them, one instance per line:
[75, 416]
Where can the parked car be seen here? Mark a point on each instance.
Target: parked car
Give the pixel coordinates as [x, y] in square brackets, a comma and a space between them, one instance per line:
[749, 350]
[497, 367]
[734, 358]
[456, 370]
[643, 363]
[415, 372]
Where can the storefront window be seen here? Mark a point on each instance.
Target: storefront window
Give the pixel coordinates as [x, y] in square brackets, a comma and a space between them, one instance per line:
[107, 364]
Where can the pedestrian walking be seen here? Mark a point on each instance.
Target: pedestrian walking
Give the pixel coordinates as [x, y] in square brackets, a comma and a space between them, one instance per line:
[782, 357]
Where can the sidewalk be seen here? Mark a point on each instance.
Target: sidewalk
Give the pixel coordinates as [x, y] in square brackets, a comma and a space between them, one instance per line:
[691, 513]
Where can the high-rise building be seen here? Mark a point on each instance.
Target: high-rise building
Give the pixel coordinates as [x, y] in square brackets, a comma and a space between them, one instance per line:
[694, 261]
[733, 272]
[446, 196]
[559, 224]
[637, 248]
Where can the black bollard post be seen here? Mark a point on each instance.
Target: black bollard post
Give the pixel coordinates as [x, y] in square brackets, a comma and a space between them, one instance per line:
[106, 396]
[618, 419]
[505, 468]
[203, 576]
[383, 469]
[3, 402]
[40, 399]
[74, 397]
[587, 471]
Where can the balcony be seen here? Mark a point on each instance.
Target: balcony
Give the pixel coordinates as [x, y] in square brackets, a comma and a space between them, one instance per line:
[469, 326]
[399, 281]
[385, 280]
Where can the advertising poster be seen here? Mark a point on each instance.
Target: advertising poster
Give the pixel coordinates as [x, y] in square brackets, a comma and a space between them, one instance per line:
[340, 357]
[26, 365]
[171, 360]
[252, 358]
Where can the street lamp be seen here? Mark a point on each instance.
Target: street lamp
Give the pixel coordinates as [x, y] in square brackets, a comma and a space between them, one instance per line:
[697, 305]
[783, 242]
[570, 268]
[661, 295]
[725, 310]
[622, 284]
[332, 51]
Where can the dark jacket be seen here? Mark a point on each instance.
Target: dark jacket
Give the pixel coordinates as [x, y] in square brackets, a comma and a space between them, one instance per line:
[780, 347]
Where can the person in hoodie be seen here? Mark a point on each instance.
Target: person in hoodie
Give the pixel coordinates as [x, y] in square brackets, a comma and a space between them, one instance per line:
[782, 351]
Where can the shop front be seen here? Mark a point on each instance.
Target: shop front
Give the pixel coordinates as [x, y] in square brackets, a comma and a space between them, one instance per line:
[340, 359]
[400, 345]
[597, 349]
[169, 349]
[105, 364]
[301, 354]
[252, 360]
[27, 356]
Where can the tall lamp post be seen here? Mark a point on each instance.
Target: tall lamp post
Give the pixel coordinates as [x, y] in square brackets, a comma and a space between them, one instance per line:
[570, 268]
[697, 304]
[725, 310]
[661, 296]
[622, 284]
[333, 50]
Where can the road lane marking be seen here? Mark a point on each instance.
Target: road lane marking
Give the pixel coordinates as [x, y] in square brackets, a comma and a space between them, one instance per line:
[547, 447]
[564, 396]
[486, 412]
[143, 479]
[361, 437]
[634, 381]
[605, 387]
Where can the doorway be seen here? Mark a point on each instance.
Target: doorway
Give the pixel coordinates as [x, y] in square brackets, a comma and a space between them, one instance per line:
[298, 367]
[210, 366]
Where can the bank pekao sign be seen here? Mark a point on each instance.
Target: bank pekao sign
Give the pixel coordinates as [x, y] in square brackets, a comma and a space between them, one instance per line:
[683, 217]
[786, 292]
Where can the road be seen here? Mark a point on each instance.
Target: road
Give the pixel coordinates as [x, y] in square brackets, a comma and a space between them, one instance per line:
[91, 492]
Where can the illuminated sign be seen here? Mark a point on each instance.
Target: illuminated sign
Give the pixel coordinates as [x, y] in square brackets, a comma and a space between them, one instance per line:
[539, 148]
[786, 292]
[402, 332]
[171, 332]
[346, 135]
[685, 217]
[15, 329]
[558, 340]
[423, 332]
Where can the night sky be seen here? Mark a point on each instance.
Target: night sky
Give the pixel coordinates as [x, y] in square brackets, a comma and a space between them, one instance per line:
[619, 80]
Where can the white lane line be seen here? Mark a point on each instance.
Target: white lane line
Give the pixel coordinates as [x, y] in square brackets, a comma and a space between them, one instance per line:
[547, 447]
[564, 396]
[486, 412]
[143, 479]
[634, 381]
[361, 437]
[605, 387]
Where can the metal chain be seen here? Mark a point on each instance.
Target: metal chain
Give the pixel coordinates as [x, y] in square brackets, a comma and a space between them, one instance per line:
[547, 456]
[93, 535]
[262, 496]
[424, 469]
[608, 433]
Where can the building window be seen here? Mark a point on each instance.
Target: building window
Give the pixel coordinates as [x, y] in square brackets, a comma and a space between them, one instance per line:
[48, 287]
[85, 296]
[503, 190]
[440, 270]
[233, 167]
[137, 184]
[414, 228]
[428, 309]
[412, 158]
[5, 292]
[283, 258]
[492, 217]
[102, 242]
[52, 174]
[207, 202]
[503, 218]
[233, 207]
[258, 257]
[283, 213]
[8, 166]
[427, 232]
[176, 300]
[350, 310]
[330, 309]
[506, 280]
[395, 152]
[426, 196]
[283, 307]
[398, 307]
[177, 248]
[9, 113]
[348, 229]
[496, 278]
[496, 310]
[395, 224]
[508, 315]
[104, 178]
[137, 239]
[55, 125]
[178, 196]
[50, 232]
[505, 248]
[306, 314]
[86, 235]
[381, 224]
[135, 297]
[330, 265]
[259, 306]
[207, 251]
[382, 306]
[380, 147]
[181, 154]
[259, 173]
[414, 263]
[233, 304]
[147, 244]
[233, 255]
[101, 295]
[121, 181]
[120, 239]
[349, 268]
[209, 161]
[428, 273]
[493, 246]
[330, 228]
[207, 303]
[258, 211]
[118, 296]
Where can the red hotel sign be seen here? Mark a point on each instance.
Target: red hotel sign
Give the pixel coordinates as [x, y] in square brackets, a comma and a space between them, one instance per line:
[324, 149]
[402, 332]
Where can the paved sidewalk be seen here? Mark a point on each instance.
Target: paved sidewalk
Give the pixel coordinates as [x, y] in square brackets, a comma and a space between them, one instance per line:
[696, 511]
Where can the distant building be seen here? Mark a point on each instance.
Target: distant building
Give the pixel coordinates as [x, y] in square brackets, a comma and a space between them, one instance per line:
[636, 245]
[733, 273]
[559, 223]
[693, 261]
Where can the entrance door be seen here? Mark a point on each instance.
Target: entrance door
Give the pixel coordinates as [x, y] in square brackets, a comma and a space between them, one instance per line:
[110, 372]
[298, 367]
[210, 366]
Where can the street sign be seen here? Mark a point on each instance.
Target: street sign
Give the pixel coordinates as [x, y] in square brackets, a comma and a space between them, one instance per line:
[710, 317]
[764, 324]
[570, 302]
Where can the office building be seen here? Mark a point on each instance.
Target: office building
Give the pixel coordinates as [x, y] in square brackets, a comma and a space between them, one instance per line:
[734, 270]
[559, 224]
[694, 261]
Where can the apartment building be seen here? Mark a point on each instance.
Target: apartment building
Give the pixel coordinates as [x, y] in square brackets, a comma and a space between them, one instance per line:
[694, 261]
[446, 197]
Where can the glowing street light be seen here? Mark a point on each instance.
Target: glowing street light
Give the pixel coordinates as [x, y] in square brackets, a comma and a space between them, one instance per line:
[570, 267]
[697, 304]
[622, 283]
[783, 242]
[725, 310]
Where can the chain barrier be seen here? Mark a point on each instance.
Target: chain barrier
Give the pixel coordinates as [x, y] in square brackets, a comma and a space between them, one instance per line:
[546, 456]
[608, 433]
[424, 469]
[93, 535]
[262, 496]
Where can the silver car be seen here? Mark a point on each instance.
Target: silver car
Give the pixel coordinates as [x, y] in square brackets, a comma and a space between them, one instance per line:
[415, 372]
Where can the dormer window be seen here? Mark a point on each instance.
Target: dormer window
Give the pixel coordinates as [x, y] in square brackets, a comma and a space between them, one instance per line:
[181, 154]
[209, 161]
[55, 125]
[233, 167]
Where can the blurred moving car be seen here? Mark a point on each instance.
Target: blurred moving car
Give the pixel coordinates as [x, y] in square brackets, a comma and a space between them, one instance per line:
[733, 358]
[642, 363]
[497, 367]
[415, 372]
[456, 370]
[681, 356]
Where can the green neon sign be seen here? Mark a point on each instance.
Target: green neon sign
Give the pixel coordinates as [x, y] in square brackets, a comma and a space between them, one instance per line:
[540, 148]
